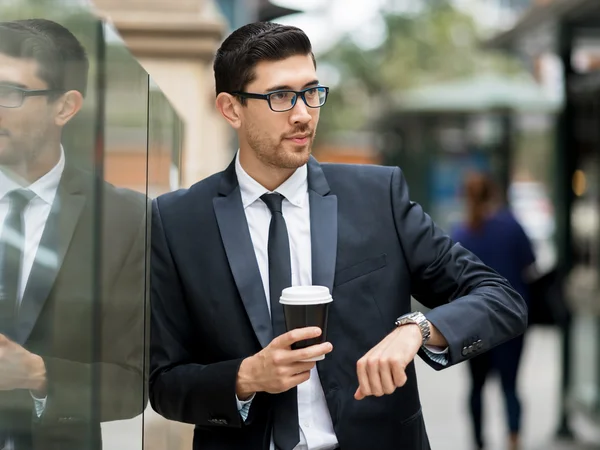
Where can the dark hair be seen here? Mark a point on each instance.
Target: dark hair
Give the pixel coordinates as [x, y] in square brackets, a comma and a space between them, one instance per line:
[247, 46]
[480, 192]
[62, 59]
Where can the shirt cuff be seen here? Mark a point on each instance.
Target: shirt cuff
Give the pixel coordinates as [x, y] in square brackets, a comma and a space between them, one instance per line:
[244, 406]
[437, 354]
[436, 350]
[39, 403]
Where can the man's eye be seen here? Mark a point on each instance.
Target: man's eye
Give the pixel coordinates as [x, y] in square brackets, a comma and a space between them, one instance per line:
[281, 96]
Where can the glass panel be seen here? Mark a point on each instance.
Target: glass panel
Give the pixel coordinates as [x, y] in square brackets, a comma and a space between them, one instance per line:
[125, 166]
[73, 246]
[165, 132]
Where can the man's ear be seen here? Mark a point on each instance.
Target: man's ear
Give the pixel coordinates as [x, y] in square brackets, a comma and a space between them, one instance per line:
[230, 109]
[67, 106]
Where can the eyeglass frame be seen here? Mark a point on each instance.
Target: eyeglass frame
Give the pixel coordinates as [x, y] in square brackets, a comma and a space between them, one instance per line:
[30, 93]
[300, 94]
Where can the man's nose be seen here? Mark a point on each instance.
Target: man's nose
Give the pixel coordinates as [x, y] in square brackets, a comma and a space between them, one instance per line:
[300, 113]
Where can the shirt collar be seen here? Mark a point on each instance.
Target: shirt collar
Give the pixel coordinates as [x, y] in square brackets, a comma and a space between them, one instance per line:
[293, 189]
[45, 187]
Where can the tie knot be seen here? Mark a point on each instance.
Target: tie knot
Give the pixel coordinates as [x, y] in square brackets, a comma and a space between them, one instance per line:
[273, 202]
[20, 198]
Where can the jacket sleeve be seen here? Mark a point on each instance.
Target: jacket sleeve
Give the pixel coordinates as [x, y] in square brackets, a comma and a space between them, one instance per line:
[473, 307]
[181, 389]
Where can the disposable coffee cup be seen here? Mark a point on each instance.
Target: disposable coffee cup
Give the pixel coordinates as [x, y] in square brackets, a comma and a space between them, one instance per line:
[306, 306]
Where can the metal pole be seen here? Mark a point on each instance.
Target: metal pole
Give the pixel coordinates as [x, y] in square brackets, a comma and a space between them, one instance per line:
[564, 170]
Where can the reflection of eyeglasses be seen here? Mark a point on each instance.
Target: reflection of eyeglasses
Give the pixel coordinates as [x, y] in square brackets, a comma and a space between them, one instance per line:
[13, 97]
[281, 101]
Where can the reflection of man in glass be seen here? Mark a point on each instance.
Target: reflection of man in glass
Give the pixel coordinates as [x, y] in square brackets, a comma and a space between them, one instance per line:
[71, 327]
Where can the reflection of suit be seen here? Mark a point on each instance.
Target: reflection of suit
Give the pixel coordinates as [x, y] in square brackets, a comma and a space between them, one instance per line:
[84, 318]
[370, 245]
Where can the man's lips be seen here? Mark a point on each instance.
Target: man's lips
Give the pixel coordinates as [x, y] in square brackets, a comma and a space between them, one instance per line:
[299, 138]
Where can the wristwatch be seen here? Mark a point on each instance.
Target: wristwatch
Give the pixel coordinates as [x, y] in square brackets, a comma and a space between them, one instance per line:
[418, 319]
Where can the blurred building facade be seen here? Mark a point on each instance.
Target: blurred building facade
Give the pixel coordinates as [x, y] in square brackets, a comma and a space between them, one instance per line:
[176, 42]
[560, 42]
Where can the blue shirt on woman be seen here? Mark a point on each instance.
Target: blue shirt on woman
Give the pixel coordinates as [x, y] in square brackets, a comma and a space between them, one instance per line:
[502, 245]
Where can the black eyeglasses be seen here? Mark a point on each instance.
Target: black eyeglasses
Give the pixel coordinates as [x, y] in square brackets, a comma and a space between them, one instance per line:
[13, 97]
[284, 100]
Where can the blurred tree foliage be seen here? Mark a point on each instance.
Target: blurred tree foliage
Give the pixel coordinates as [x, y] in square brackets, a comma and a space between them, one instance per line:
[438, 43]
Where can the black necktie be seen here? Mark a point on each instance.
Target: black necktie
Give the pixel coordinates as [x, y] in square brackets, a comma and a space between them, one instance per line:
[285, 423]
[12, 246]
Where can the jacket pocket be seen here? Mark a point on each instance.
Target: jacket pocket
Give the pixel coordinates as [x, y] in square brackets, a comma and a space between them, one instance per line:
[361, 269]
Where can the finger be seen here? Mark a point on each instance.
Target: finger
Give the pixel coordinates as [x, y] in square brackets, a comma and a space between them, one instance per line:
[358, 395]
[363, 378]
[373, 372]
[387, 380]
[293, 336]
[295, 380]
[301, 367]
[311, 352]
[398, 373]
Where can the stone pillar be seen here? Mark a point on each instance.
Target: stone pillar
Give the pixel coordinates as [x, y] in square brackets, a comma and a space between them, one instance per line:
[175, 41]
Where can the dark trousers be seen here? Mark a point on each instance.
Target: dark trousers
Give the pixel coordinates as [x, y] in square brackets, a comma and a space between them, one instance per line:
[504, 360]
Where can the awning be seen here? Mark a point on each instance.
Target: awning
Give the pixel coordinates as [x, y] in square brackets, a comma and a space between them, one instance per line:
[267, 11]
[478, 94]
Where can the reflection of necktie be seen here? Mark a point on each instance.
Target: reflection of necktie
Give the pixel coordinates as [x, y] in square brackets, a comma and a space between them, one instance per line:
[12, 246]
[285, 421]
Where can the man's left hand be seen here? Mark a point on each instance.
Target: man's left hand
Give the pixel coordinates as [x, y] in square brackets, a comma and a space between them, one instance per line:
[20, 369]
[382, 369]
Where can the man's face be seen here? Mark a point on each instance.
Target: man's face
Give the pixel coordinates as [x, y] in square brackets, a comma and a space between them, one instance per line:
[281, 139]
[23, 129]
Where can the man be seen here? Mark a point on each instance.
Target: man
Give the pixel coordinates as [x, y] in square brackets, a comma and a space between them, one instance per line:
[217, 358]
[72, 303]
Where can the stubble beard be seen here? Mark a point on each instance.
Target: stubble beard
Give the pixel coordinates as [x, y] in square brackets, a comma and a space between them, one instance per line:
[276, 155]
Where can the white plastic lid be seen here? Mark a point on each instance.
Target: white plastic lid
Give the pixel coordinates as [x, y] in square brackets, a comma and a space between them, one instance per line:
[305, 295]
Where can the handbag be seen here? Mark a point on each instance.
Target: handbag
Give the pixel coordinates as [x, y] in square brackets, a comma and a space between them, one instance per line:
[547, 305]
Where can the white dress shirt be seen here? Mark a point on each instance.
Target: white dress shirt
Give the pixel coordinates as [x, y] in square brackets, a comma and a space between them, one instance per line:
[35, 217]
[316, 427]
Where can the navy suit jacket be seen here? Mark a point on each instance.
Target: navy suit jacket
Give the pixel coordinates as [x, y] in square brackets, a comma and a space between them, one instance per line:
[371, 246]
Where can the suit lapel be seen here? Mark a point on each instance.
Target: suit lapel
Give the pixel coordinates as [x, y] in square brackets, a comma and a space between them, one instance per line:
[323, 226]
[55, 241]
[323, 237]
[236, 239]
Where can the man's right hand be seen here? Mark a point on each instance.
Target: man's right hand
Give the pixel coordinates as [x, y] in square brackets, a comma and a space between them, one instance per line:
[277, 368]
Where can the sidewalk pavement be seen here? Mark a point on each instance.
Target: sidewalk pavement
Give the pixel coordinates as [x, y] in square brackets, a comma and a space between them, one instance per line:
[444, 396]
